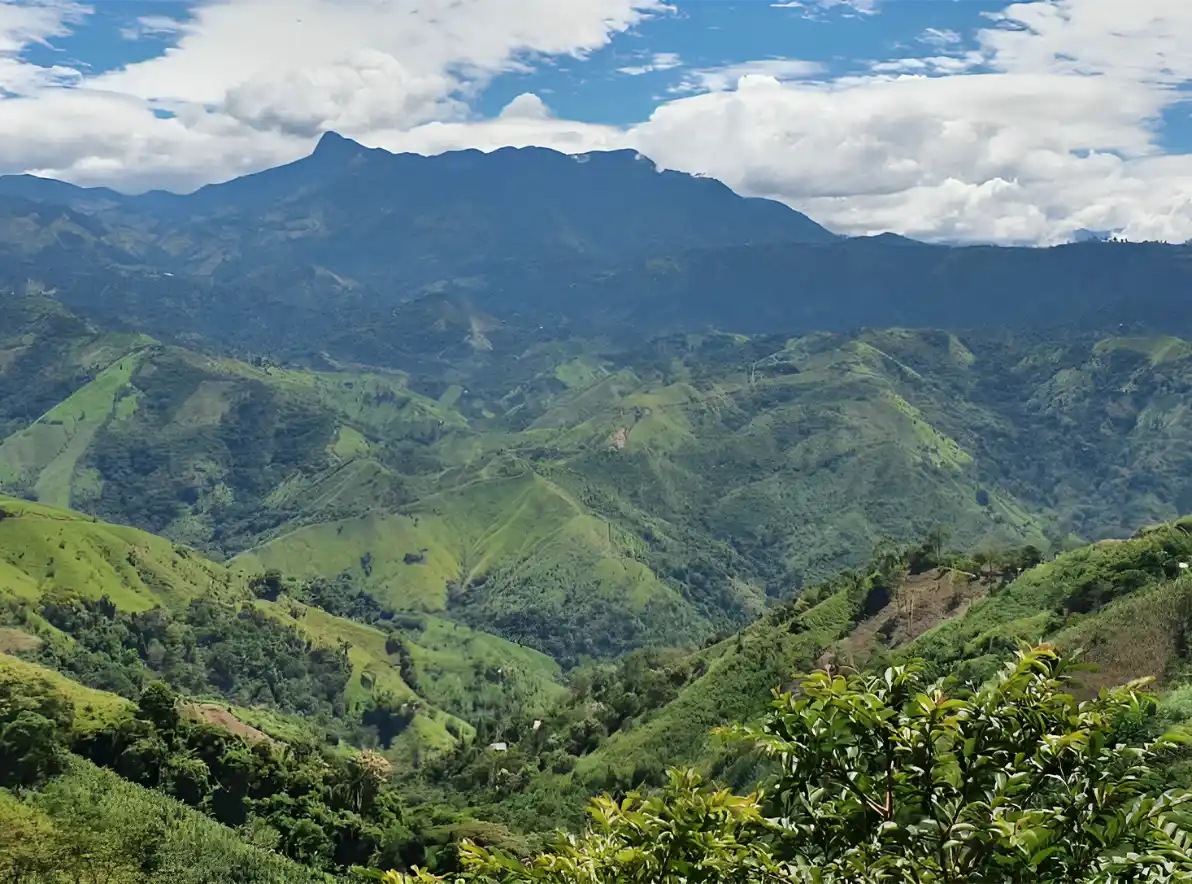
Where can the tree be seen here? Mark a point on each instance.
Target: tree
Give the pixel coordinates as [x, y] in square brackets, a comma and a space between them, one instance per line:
[158, 705]
[30, 750]
[883, 778]
[34, 721]
[886, 779]
[360, 779]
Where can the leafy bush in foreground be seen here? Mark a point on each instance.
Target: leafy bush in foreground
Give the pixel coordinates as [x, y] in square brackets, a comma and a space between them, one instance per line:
[886, 779]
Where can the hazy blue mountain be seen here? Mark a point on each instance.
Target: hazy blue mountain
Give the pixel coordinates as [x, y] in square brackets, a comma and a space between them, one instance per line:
[363, 256]
[368, 214]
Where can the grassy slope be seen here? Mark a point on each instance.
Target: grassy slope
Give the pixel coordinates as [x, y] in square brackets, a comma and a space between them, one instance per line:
[190, 847]
[811, 465]
[456, 667]
[120, 396]
[1122, 601]
[47, 453]
[44, 549]
[374, 672]
[520, 530]
[1124, 605]
[737, 684]
[805, 463]
[92, 708]
[659, 494]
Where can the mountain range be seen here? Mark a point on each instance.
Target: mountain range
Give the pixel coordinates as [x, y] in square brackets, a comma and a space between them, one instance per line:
[505, 477]
[528, 390]
[412, 262]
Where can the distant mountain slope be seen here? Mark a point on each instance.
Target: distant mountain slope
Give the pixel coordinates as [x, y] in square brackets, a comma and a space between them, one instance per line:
[841, 286]
[211, 450]
[410, 262]
[664, 491]
[431, 218]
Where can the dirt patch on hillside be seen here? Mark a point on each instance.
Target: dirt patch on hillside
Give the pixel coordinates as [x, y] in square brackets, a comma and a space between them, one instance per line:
[13, 641]
[920, 603]
[221, 717]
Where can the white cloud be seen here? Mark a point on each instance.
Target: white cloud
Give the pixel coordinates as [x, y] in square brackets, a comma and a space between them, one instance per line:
[462, 41]
[153, 26]
[526, 106]
[659, 61]
[1058, 135]
[35, 22]
[28, 24]
[941, 37]
[566, 136]
[252, 82]
[1044, 124]
[729, 76]
[957, 63]
[812, 8]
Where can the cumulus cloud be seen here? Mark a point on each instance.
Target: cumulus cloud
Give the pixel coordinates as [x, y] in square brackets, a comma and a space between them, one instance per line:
[1047, 127]
[1018, 157]
[34, 23]
[233, 44]
[730, 75]
[1043, 122]
[152, 26]
[248, 83]
[941, 37]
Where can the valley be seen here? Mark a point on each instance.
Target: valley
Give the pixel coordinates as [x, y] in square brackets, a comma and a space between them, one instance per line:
[324, 560]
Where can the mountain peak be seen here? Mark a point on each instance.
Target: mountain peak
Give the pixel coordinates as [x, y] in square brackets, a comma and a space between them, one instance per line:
[332, 144]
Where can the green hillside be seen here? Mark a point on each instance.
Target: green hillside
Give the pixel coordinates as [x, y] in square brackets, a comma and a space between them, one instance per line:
[1123, 606]
[593, 496]
[514, 553]
[67, 581]
[441, 693]
[209, 450]
[45, 550]
[91, 709]
[105, 828]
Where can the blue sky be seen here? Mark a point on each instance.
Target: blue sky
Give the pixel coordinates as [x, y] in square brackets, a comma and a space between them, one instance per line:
[608, 85]
[948, 119]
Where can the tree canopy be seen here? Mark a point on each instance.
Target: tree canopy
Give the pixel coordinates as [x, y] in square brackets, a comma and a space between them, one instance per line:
[881, 777]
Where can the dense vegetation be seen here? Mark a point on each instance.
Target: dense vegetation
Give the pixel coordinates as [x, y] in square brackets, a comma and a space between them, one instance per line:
[889, 778]
[241, 655]
[325, 809]
[91, 826]
[659, 491]
[619, 726]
